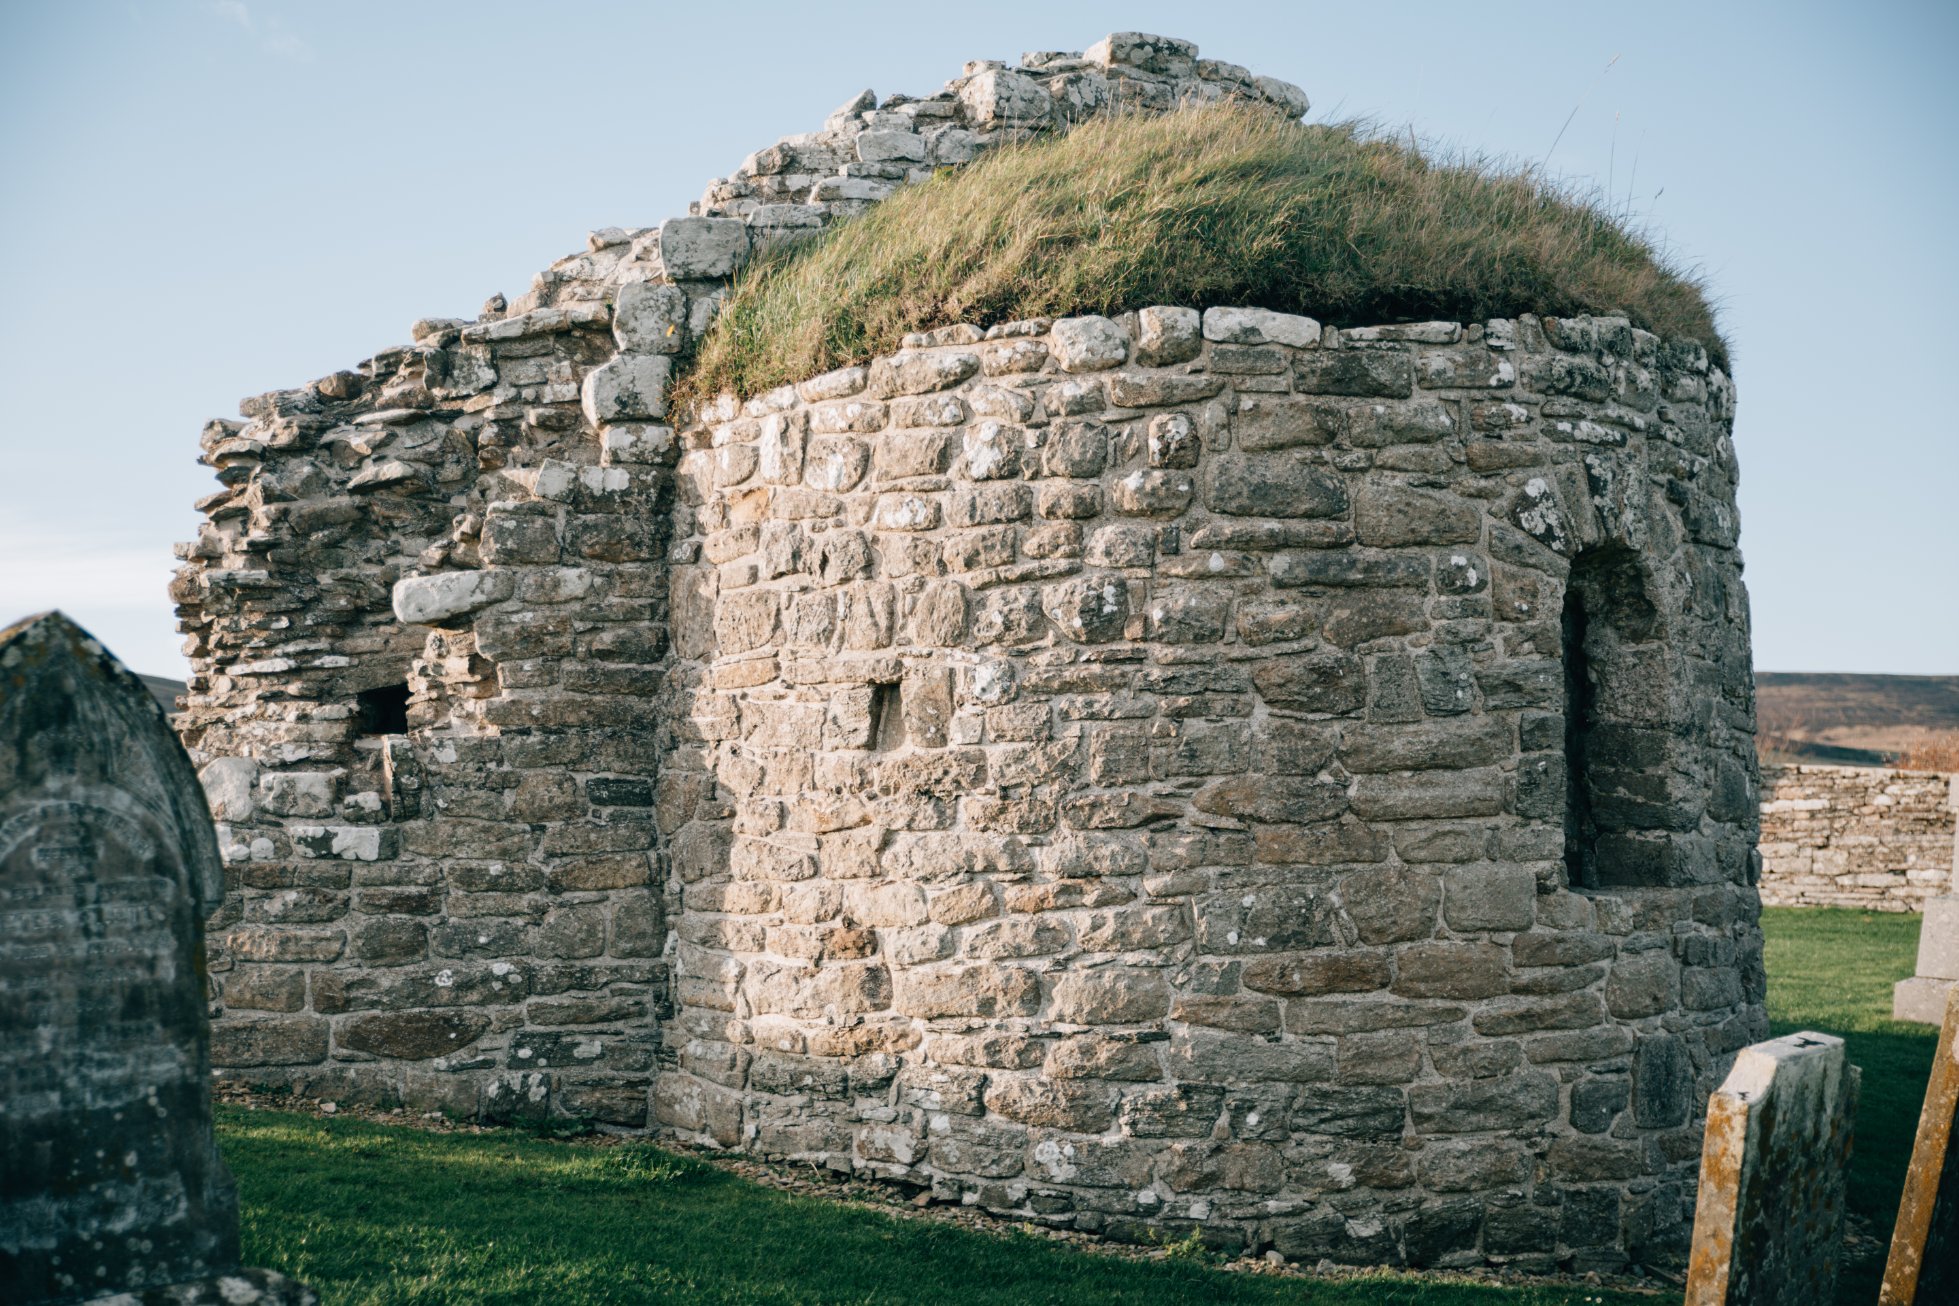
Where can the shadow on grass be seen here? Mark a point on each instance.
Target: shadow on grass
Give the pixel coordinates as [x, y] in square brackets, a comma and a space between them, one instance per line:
[385, 1215]
[1832, 970]
[1896, 1068]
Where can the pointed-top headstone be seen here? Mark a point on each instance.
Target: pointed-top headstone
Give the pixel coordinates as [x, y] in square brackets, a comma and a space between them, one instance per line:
[110, 1180]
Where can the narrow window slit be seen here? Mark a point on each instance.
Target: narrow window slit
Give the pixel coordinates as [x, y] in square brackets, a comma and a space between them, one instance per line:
[887, 717]
[1580, 718]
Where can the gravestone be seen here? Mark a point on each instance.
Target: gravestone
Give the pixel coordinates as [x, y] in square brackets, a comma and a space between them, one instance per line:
[1924, 1261]
[1768, 1229]
[1923, 996]
[110, 1182]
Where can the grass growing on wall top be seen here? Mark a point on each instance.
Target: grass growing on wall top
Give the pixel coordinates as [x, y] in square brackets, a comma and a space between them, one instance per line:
[1213, 206]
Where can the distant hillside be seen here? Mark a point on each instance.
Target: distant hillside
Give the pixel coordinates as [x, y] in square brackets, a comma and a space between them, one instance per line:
[165, 689]
[1847, 719]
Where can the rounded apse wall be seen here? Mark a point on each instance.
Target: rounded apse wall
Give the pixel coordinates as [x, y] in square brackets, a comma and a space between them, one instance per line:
[1218, 771]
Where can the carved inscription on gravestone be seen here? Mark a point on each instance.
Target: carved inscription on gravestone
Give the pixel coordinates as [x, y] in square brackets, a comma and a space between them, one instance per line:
[1923, 1266]
[1768, 1227]
[110, 1180]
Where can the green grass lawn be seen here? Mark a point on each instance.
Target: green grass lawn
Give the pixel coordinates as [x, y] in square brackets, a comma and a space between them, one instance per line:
[374, 1213]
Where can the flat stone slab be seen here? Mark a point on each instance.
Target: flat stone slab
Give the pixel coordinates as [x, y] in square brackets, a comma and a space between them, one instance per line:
[1924, 1262]
[1768, 1229]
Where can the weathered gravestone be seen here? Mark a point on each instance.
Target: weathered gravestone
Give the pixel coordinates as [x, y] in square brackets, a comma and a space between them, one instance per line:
[1768, 1230]
[110, 1182]
[1924, 1263]
[1922, 997]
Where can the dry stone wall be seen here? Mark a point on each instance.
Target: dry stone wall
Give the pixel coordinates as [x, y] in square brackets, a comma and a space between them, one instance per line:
[1850, 836]
[434, 812]
[1120, 780]
[1200, 769]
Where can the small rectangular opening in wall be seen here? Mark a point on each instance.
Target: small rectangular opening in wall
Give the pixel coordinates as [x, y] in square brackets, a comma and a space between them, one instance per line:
[887, 717]
[383, 711]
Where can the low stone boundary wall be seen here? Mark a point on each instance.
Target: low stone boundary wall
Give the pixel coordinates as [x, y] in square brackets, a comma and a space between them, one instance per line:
[1853, 836]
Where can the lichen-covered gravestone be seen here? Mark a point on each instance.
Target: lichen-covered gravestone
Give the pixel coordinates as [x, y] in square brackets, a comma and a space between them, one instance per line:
[110, 1182]
[1924, 1261]
[1768, 1229]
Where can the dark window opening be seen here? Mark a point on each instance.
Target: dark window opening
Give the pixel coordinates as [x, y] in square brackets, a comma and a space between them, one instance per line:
[1580, 719]
[887, 718]
[1623, 795]
[383, 711]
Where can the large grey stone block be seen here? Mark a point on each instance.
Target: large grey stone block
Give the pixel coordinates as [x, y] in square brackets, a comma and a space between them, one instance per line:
[702, 248]
[630, 388]
[426, 600]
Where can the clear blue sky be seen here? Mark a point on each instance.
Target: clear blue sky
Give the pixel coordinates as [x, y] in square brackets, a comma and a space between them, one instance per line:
[204, 200]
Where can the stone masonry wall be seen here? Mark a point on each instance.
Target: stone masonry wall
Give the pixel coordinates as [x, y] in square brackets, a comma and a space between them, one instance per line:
[1847, 836]
[1113, 772]
[457, 911]
[1119, 781]
[460, 910]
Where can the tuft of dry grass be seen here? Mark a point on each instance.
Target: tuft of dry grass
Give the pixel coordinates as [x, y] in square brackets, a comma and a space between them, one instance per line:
[1939, 752]
[1777, 750]
[1216, 206]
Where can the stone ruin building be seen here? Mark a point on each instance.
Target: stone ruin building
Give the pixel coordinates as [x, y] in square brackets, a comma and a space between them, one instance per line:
[1196, 769]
